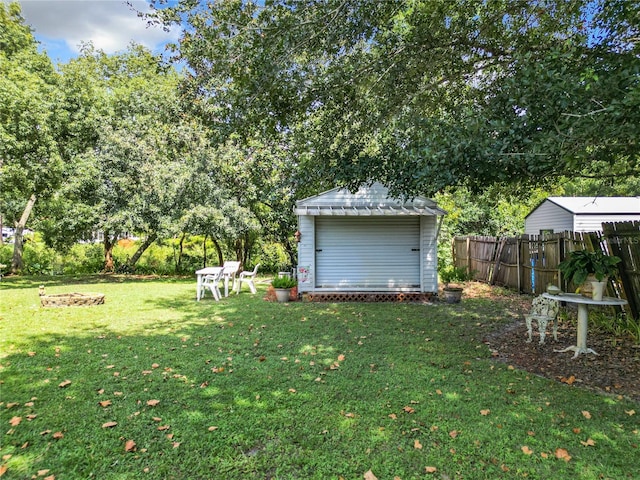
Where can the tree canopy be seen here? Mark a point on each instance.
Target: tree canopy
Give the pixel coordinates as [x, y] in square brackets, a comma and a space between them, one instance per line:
[422, 95]
[30, 122]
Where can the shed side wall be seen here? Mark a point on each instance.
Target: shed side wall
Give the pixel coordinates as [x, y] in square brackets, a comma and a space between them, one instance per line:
[306, 252]
[429, 253]
[593, 223]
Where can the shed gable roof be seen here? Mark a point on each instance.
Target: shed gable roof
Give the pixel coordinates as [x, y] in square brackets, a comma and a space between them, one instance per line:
[595, 205]
[368, 200]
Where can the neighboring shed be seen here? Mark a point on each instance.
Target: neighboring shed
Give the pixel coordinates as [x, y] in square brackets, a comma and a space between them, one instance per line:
[367, 242]
[580, 214]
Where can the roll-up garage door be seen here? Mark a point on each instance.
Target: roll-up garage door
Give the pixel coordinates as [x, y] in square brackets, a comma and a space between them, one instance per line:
[368, 253]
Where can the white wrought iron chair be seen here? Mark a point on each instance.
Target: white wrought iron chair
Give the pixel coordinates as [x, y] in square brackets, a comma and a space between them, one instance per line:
[543, 311]
[211, 282]
[248, 277]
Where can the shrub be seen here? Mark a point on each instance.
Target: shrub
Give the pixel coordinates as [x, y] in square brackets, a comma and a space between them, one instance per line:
[284, 282]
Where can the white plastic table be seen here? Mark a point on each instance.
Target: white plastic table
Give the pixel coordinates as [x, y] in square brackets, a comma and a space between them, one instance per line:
[583, 317]
[208, 271]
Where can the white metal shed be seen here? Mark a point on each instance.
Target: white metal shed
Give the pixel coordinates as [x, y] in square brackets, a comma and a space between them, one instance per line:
[580, 214]
[367, 242]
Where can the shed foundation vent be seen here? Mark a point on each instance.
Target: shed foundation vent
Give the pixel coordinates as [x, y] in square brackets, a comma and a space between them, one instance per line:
[367, 297]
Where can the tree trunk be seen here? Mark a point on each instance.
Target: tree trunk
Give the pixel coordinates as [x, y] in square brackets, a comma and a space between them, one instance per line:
[204, 248]
[291, 252]
[109, 266]
[18, 239]
[141, 249]
[219, 251]
[178, 261]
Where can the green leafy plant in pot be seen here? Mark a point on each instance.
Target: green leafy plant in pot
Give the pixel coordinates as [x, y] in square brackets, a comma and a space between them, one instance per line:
[283, 286]
[453, 277]
[583, 267]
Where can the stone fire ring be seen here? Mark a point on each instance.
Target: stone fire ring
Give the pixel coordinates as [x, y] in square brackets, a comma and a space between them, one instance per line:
[72, 299]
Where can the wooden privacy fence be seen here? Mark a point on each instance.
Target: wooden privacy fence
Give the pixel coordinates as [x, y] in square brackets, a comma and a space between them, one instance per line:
[529, 263]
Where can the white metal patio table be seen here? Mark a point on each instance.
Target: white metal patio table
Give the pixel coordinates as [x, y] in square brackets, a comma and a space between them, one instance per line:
[583, 317]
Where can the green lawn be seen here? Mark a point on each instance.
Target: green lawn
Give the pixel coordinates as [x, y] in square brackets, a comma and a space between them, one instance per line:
[155, 385]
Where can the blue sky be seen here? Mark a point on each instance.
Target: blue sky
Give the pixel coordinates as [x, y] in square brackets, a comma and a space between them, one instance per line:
[62, 25]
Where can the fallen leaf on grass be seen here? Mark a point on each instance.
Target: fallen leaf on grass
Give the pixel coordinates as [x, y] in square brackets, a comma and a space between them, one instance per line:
[485, 412]
[109, 424]
[588, 443]
[58, 435]
[562, 454]
[42, 473]
[586, 414]
[526, 450]
[130, 446]
[430, 469]
[153, 403]
[630, 412]
[568, 381]
[162, 428]
[3, 470]
[408, 409]
[417, 445]
[370, 476]
[341, 358]
[453, 433]
[15, 421]
[393, 416]
[105, 403]
[64, 384]
[212, 428]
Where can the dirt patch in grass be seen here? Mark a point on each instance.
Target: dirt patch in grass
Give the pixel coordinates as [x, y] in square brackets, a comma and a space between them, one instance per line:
[615, 370]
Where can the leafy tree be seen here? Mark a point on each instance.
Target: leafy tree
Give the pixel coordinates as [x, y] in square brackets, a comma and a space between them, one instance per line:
[422, 95]
[130, 158]
[30, 160]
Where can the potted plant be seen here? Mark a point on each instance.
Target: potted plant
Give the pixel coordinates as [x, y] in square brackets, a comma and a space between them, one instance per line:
[589, 271]
[283, 285]
[453, 277]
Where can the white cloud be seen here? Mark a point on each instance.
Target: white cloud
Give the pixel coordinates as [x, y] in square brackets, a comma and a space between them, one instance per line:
[110, 24]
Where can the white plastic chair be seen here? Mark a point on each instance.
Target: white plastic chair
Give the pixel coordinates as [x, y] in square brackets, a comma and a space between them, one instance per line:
[229, 270]
[247, 276]
[211, 282]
